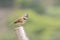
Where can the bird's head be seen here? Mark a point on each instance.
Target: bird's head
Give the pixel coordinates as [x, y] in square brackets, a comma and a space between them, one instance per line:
[26, 16]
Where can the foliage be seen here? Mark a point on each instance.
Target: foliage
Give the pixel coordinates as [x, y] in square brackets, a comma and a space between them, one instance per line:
[32, 4]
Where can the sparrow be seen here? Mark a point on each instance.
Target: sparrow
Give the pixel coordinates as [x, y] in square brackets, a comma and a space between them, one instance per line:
[21, 20]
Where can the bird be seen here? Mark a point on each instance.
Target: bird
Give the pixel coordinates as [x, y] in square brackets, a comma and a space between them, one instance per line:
[21, 20]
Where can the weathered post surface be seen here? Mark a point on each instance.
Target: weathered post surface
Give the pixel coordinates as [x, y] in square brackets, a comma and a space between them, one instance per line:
[21, 35]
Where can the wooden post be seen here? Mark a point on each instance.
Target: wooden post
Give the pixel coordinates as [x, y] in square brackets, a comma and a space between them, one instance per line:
[21, 35]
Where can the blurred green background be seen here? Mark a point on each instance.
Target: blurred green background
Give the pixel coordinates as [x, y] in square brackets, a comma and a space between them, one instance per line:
[43, 22]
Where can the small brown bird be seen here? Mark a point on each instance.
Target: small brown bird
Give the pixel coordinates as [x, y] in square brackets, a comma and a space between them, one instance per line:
[21, 20]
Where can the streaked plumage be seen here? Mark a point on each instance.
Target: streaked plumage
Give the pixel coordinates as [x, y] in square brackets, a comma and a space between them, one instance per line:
[22, 19]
